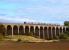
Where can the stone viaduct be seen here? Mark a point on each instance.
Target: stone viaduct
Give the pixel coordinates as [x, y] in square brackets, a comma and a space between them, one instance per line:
[43, 31]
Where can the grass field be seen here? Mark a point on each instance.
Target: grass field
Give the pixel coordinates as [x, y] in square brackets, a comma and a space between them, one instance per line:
[25, 38]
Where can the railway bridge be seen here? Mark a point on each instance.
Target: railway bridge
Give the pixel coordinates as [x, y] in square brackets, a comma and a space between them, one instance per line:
[43, 31]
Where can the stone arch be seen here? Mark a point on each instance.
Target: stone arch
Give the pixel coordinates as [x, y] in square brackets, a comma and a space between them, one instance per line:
[15, 30]
[53, 32]
[21, 30]
[49, 32]
[9, 30]
[32, 30]
[27, 30]
[57, 31]
[41, 32]
[36, 31]
[45, 33]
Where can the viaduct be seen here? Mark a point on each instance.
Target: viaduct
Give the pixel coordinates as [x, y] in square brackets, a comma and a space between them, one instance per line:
[43, 31]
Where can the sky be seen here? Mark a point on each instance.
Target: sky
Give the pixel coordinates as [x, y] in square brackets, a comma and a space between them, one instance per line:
[42, 11]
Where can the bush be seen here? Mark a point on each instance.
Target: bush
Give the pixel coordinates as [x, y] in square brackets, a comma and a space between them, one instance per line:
[19, 40]
[55, 38]
[67, 32]
[1, 37]
[63, 36]
[30, 34]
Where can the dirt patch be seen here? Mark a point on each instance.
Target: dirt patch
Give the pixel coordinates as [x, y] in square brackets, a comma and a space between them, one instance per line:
[9, 45]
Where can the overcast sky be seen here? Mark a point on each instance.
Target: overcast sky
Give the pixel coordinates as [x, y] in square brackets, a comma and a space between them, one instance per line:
[45, 11]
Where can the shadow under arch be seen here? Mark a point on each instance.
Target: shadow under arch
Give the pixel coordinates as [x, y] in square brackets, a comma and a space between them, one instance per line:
[2, 29]
[49, 33]
[57, 31]
[21, 30]
[9, 30]
[15, 30]
[60, 30]
[67, 29]
[32, 30]
[41, 32]
[45, 33]
[36, 31]
[26, 30]
[64, 30]
[53, 32]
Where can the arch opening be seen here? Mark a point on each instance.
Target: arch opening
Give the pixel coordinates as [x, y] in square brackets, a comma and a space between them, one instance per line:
[9, 30]
[54, 33]
[26, 30]
[67, 29]
[21, 30]
[49, 32]
[32, 30]
[36, 31]
[60, 30]
[15, 30]
[57, 31]
[45, 32]
[41, 32]
[63, 30]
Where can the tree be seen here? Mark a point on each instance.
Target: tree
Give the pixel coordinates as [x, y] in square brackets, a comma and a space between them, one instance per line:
[66, 23]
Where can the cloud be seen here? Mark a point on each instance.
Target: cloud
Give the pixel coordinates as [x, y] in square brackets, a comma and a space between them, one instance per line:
[17, 19]
[58, 1]
[52, 11]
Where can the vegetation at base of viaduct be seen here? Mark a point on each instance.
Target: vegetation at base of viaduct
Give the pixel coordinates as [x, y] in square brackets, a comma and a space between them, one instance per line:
[66, 23]
[2, 31]
[65, 35]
